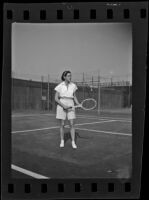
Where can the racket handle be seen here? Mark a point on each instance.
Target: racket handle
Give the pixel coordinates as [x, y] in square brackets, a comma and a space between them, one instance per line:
[78, 106]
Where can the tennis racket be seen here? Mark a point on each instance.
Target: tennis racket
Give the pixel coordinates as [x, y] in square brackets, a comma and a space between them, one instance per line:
[86, 104]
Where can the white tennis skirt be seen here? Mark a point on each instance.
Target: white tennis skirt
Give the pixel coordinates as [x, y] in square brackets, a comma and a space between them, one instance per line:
[61, 113]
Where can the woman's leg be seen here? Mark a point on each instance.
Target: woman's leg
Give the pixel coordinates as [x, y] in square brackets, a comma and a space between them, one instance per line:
[72, 131]
[62, 122]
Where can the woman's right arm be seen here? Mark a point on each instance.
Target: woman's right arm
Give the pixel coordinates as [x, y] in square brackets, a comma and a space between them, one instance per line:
[58, 101]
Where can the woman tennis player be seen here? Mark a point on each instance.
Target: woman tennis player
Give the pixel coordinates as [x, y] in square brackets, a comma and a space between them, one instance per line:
[65, 97]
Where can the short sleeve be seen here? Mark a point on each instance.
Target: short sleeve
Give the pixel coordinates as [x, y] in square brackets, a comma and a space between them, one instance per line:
[57, 88]
[75, 88]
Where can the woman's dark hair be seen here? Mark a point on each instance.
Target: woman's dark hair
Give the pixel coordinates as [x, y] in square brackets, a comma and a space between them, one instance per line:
[64, 74]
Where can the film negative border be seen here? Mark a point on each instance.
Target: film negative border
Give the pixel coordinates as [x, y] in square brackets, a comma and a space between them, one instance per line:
[135, 13]
[75, 12]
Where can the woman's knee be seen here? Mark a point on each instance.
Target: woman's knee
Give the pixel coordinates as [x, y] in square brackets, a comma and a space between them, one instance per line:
[71, 124]
[62, 124]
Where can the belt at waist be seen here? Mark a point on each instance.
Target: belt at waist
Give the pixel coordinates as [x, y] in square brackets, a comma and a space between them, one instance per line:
[66, 97]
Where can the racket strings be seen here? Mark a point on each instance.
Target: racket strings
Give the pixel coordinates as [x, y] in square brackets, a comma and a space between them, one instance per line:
[89, 104]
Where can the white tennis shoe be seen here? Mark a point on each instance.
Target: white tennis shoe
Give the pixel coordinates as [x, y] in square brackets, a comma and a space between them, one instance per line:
[74, 146]
[62, 143]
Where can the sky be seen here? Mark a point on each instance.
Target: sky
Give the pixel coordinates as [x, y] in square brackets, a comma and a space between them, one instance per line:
[90, 48]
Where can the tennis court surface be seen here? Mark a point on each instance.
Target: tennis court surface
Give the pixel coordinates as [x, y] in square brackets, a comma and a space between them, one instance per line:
[104, 147]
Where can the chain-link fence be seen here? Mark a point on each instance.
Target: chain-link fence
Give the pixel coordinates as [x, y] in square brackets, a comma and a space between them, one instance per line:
[30, 92]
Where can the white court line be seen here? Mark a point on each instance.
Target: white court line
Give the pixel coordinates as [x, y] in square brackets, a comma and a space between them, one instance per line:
[34, 115]
[115, 119]
[47, 114]
[98, 122]
[38, 129]
[107, 132]
[30, 115]
[29, 173]
[80, 116]
[83, 116]
[103, 118]
[127, 121]
[48, 128]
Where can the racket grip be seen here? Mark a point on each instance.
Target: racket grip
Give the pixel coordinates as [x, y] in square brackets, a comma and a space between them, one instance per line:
[79, 106]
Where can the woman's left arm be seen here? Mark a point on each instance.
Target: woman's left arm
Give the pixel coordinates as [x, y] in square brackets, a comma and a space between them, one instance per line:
[75, 99]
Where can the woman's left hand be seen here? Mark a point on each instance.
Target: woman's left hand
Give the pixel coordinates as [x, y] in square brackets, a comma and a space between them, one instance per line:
[79, 105]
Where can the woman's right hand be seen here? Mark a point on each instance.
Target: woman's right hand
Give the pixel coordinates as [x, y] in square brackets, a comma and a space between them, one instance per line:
[66, 107]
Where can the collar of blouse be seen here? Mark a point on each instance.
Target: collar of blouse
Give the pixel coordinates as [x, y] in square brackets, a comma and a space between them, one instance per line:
[64, 83]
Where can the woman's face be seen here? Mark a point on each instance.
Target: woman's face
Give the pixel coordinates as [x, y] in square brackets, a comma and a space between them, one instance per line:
[68, 77]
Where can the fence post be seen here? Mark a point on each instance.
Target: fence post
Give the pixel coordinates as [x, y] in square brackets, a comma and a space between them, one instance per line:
[83, 86]
[98, 106]
[48, 93]
[129, 91]
[111, 81]
[41, 93]
[30, 94]
[92, 81]
[12, 91]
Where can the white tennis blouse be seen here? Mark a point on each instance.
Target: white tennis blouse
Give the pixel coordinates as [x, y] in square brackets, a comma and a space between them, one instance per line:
[66, 90]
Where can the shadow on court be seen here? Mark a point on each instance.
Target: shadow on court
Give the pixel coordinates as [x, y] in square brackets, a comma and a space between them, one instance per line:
[67, 136]
[103, 151]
